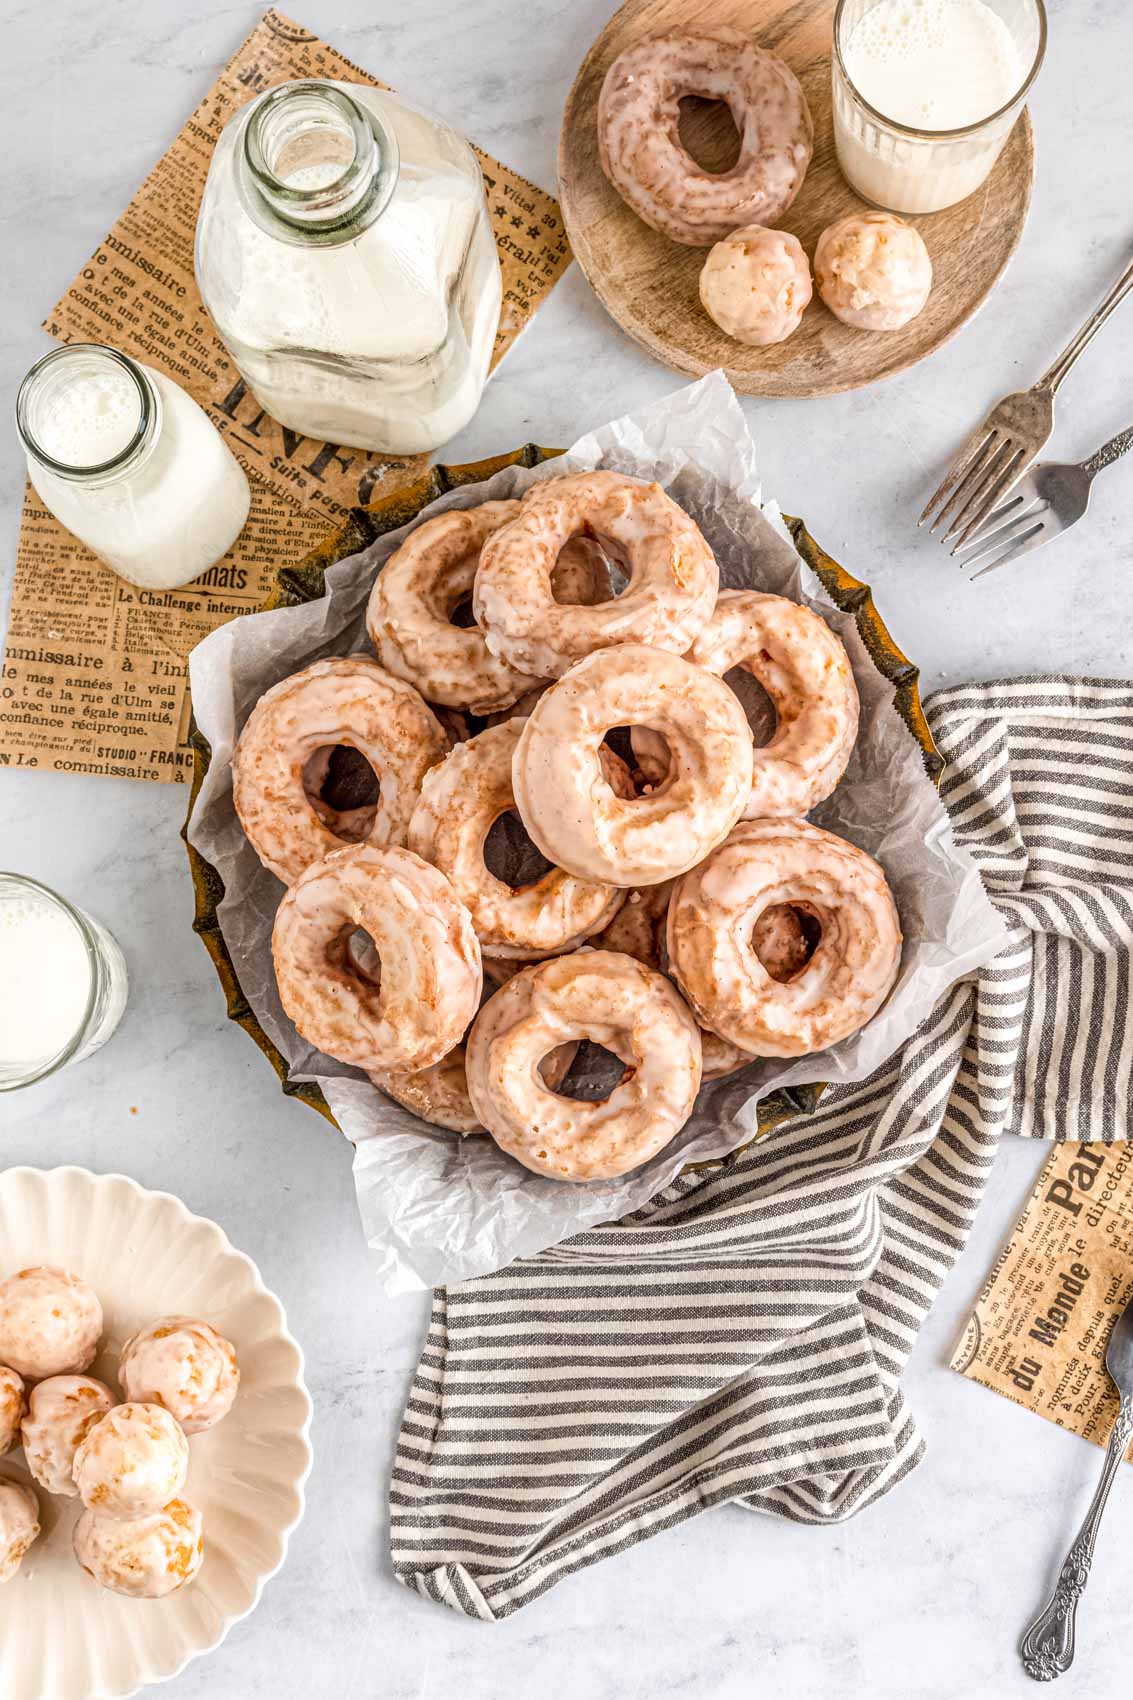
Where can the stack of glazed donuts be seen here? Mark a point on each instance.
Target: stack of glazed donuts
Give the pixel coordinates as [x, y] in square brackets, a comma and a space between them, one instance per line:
[685, 916]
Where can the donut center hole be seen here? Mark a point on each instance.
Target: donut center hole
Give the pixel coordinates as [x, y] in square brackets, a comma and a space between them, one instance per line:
[708, 132]
[593, 1075]
[785, 938]
[343, 790]
[360, 955]
[647, 758]
[589, 570]
[510, 856]
[761, 713]
[461, 614]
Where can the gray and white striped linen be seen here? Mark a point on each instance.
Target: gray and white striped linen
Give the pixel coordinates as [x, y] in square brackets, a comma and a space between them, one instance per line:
[743, 1336]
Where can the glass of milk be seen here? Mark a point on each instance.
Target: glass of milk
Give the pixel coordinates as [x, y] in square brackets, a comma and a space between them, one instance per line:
[926, 93]
[63, 982]
[345, 254]
[130, 464]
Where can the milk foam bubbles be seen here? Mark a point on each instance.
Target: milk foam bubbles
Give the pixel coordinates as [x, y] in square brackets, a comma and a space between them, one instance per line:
[933, 64]
[130, 465]
[91, 421]
[926, 93]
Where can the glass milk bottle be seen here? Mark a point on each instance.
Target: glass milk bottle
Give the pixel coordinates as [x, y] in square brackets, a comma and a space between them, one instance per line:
[345, 254]
[130, 464]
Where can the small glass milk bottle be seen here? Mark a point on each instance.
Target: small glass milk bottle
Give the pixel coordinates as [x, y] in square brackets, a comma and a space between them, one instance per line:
[345, 254]
[130, 464]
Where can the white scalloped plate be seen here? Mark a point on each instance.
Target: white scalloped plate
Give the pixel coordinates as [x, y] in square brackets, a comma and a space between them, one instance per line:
[61, 1636]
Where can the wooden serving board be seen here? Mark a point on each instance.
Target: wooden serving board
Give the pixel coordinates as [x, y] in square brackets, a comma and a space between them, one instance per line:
[649, 284]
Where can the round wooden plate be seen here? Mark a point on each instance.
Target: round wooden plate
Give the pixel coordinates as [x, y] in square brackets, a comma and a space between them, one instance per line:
[649, 284]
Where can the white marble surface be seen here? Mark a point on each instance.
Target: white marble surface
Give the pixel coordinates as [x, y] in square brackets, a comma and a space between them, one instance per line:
[926, 1594]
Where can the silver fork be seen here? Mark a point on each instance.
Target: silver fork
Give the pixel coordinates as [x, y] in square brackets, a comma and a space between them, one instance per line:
[1048, 1646]
[999, 451]
[1044, 504]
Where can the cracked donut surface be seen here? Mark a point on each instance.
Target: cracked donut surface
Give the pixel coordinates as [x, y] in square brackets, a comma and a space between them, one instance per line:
[715, 908]
[430, 974]
[639, 141]
[279, 761]
[567, 804]
[672, 573]
[615, 1002]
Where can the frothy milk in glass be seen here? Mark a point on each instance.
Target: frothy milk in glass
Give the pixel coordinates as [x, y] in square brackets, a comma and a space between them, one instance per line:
[926, 92]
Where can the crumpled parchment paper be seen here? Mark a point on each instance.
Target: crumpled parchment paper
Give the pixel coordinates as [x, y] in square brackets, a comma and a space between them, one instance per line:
[439, 1208]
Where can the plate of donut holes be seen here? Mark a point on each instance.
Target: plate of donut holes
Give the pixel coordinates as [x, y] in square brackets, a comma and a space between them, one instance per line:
[702, 198]
[153, 1435]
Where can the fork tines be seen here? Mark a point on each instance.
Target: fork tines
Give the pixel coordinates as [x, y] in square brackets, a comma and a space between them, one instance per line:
[1020, 525]
[991, 461]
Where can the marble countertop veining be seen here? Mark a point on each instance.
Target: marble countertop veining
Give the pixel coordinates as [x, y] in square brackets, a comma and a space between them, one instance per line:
[924, 1595]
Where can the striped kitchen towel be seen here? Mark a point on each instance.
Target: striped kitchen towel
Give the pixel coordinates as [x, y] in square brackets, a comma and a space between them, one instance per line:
[743, 1336]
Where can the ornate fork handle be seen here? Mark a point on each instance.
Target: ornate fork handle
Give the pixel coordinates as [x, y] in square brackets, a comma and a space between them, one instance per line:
[1048, 1646]
[1109, 452]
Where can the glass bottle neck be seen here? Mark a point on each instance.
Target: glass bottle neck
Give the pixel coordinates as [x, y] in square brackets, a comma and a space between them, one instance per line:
[319, 167]
[88, 413]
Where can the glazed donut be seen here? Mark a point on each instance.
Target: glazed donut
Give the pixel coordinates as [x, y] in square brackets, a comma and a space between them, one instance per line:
[460, 802]
[409, 616]
[283, 755]
[570, 810]
[440, 1094]
[426, 985]
[639, 141]
[673, 576]
[615, 1002]
[804, 668]
[714, 909]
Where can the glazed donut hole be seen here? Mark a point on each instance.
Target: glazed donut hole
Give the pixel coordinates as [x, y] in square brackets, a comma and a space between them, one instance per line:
[50, 1323]
[755, 285]
[19, 1525]
[343, 790]
[131, 1462]
[13, 1404]
[873, 271]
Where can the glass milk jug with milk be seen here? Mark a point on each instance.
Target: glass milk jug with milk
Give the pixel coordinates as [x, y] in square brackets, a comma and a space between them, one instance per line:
[130, 464]
[345, 255]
